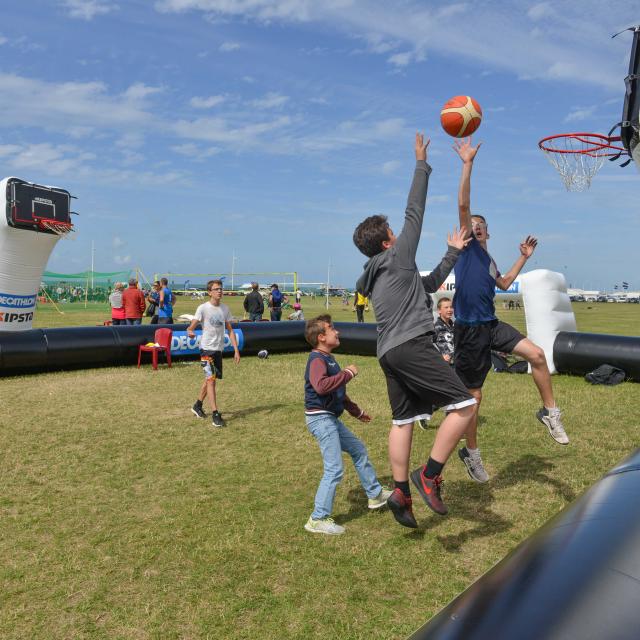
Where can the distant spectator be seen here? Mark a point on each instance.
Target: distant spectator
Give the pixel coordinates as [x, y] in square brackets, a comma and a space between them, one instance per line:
[165, 305]
[275, 303]
[360, 303]
[133, 302]
[443, 326]
[153, 301]
[253, 303]
[298, 296]
[297, 312]
[117, 309]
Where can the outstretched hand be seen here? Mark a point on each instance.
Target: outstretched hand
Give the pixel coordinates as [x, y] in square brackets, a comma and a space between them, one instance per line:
[528, 246]
[421, 146]
[458, 239]
[464, 149]
[364, 417]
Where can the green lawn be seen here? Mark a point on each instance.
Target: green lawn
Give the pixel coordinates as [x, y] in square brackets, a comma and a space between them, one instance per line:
[123, 516]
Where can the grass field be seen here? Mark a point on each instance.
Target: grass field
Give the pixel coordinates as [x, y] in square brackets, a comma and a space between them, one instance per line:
[123, 516]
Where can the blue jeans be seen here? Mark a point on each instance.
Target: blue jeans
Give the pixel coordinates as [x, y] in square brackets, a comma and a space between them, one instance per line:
[334, 438]
[134, 320]
[255, 317]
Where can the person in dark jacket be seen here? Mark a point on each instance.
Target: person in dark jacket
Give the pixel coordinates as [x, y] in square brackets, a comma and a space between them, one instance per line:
[254, 304]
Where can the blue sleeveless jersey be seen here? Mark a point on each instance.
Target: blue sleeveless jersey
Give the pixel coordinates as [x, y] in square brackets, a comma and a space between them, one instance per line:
[476, 274]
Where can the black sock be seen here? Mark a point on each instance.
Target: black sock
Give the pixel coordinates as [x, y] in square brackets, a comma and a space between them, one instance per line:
[199, 403]
[434, 468]
[403, 486]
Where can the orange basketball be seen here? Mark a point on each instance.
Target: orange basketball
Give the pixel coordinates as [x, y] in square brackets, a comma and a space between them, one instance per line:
[461, 116]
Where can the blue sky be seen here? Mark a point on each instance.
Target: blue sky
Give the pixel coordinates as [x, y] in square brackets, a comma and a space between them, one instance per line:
[191, 130]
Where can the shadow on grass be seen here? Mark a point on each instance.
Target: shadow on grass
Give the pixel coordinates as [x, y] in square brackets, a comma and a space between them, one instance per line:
[472, 502]
[242, 413]
[358, 502]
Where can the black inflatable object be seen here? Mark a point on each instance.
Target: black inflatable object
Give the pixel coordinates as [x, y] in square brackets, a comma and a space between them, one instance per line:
[39, 350]
[580, 353]
[576, 578]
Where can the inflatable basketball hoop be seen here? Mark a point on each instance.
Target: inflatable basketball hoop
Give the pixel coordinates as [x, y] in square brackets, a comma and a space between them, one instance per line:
[579, 156]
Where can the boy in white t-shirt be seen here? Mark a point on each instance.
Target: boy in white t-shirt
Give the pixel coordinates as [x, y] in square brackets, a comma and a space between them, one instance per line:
[213, 316]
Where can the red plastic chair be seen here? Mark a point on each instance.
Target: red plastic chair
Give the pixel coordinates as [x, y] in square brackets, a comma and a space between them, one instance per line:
[162, 337]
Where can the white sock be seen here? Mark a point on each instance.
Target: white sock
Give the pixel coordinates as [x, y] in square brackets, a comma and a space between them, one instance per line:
[473, 452]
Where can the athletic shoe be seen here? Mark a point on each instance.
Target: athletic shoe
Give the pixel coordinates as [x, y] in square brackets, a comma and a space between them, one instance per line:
[429, 489]
[401, 507]
[474, 465]
[551, 419]
[217, 419]
[197, 410]
[324, 525]
[380, 500]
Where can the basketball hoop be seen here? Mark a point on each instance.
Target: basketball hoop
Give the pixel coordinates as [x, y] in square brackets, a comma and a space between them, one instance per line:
[579, 156]
[54, 226]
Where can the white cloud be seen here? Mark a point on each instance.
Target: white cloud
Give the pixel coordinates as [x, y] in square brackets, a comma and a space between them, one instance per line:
[226, 47]
[270, 101]
[571, 48]
[122, 260]
[206, 103]
[3, 40]
[118, 242]
[390, 167]
[194, 152]
[45, 158]
[580, 113]
[89, 9]
[400, 59]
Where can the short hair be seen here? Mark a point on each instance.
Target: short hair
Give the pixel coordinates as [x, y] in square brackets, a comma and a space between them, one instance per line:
[255, 285]
[132, 282]
[164, 281]
[443, 300]
[370, 234]
[477, 215]
[212, 282]
[274, 286]
[156, 283]
[315, 327]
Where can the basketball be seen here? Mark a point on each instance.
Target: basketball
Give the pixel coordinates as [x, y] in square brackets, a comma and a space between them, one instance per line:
[461, 116]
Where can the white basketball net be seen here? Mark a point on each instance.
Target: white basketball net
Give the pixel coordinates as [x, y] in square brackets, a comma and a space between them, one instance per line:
[58, 229]
[577, 158]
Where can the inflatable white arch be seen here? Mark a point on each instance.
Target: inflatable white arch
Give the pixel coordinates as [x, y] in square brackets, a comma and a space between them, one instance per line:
[31, 222]
[547, 309]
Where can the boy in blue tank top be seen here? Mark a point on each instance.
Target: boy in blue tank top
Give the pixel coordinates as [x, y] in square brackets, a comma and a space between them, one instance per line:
[325, 399]
[477, 330]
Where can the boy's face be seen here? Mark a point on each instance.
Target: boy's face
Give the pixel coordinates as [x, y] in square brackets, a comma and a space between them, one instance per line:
[445, 311]
[387, 244]
[330, 338]
[479, 228]
[215, 293]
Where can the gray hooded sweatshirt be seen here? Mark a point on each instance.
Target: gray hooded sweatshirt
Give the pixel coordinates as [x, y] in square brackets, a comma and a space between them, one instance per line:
[391, 278]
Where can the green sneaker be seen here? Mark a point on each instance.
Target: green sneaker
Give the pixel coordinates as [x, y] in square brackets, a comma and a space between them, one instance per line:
[381, 499]
[324, 525]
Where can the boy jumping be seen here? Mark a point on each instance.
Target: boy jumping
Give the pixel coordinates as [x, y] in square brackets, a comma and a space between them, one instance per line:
[214, 316]
[325, 399]
[418, 379]
[477, 330]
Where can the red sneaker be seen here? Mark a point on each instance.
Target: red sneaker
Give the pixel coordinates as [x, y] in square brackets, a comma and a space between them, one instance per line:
[400, 506]
[429, 490]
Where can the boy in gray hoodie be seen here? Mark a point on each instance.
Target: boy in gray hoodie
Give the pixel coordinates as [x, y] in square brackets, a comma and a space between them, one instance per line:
[418, 379]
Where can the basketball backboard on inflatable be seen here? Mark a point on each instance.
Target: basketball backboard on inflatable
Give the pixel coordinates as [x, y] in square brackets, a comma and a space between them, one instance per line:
[35, 218]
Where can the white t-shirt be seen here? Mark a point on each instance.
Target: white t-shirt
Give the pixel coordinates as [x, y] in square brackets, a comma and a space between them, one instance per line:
[212, 319]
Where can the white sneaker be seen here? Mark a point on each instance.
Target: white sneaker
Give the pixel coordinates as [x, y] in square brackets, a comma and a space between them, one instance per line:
[324, 525]
[474, 465]
[551, 419]
[380, 500]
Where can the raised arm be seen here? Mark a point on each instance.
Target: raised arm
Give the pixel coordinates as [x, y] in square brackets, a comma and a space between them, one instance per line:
[467, 154]
[456, 242]
[408, 239]
[527, 247]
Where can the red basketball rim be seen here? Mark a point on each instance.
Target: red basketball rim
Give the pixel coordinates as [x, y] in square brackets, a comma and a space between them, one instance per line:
[593, 144]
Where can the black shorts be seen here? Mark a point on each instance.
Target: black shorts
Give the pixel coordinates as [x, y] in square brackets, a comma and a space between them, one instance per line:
[419, 381]
[211, 362]
[473, 344]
